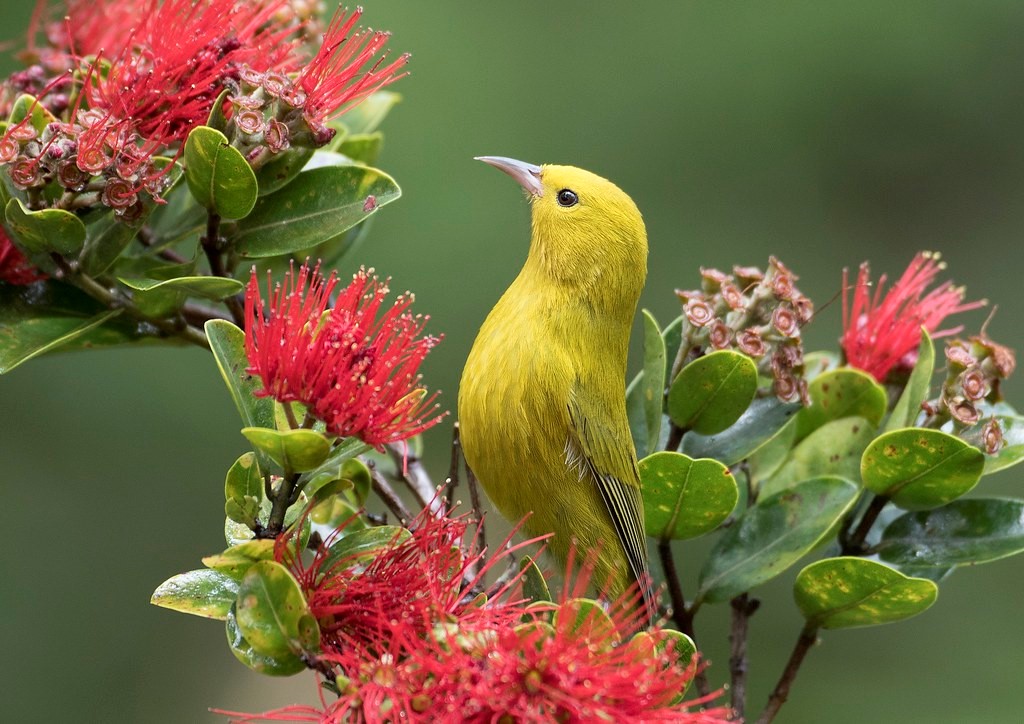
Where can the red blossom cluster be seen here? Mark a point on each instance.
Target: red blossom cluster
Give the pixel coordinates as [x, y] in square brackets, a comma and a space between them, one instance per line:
[353, 370]
[881, 332]
[120, 83]
[14, 267]
[406, 639]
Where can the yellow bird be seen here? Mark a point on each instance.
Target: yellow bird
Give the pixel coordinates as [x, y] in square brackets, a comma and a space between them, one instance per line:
[542, 407]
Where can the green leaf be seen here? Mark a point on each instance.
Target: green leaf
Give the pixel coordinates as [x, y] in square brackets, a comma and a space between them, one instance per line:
[285, 665]
[314, 208]
[767, 459]
[282, 168]
[757, 426]
[106, 237]
[362, 148]
[217, 120]
[535, 587]
[685, 498]
[816, 363]
[209, 287]
[711, 393]
[244, 479]
[772, 535]
[202, 593]
[362, 546]
[370, 113]
[237, 560]
[835, 448]
[31, 336]
[340, 465]
[919, 468]
[45, 231]
[845, 392]
[181, 216]
[296, 451]
[653, 385]
[272, 613]
[218, 175]
[26, 105]
[848, 592]
[908, 407]
[227, 343]
[977, 530]
[337, 514]
[637, 404]
[589, 617]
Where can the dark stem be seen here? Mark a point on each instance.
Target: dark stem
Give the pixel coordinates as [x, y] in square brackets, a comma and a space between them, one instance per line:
[410, 470]
[682, 616]
[474, 499]
[213, 245]
[199, 314]
[452, 481]
[387, 494]
[808, 637]
[743, 607]
[147, 239]
[675, 437]
[289, 412]
[282, 500]
[171, 327]
[853, 544]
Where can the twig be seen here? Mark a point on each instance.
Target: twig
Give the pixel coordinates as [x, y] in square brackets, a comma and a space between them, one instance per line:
[145, 237]
[474, 499]
[808, 637]
[682, 616]
[387, 494]
[410, 471]
[452, 481]
[743, 607]
[213, 246]
[853, 544]
[283, 499]
[675, 437]
[199, 314]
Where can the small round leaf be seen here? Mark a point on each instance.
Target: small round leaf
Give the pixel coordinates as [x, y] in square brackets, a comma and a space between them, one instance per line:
[361, 546]
[845, 392]
[271, 609]
[920, 469]
[284, 665]
[835, 448]
[683, 497]
[244, 479]
[535, 587]
[295, 451]
[202, 593]
[848, 592]
[711, 393]
[47, 230]
[219, 177]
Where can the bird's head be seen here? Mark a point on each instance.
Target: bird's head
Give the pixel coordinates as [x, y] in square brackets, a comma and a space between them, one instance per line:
[587, 232]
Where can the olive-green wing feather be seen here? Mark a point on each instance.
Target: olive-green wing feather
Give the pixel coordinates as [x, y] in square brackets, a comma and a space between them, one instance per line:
[607, 453]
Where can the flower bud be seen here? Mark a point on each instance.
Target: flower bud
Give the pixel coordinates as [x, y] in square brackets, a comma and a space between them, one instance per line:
[249, 122]
[712, 280]
[750, 343]
[992, 435]
[698, 312]
[963, 411]
[119, 194]
[70, 176]
[733, 296]
[276, 136]
[785, 321]
[782, 286]
[958, 357]
[803, 307]
[972, 382]
[747, 275]
[25, 173]
[719, 334]
[9, 148]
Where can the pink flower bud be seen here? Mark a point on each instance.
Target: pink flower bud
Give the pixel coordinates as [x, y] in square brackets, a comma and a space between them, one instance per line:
[719, 334]
[992, 434]
[785, 321]
[698, 312]
[972, 382]
[750, 343]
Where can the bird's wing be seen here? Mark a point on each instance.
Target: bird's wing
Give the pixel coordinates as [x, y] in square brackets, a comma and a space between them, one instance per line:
[605, 450]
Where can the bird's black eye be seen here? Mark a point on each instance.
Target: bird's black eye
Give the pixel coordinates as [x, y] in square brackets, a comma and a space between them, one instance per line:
[567, 197]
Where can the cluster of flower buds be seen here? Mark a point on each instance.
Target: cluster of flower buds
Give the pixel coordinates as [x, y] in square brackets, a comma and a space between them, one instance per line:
[975, 369]
[92, 160]
[757, 313]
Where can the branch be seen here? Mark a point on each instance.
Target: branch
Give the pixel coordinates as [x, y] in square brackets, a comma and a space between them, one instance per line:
[808, 637]
[386, 493]
[213, 246]
[410, 470]
[853, 544]
[743, 607]
[452, 481]
[682, 616]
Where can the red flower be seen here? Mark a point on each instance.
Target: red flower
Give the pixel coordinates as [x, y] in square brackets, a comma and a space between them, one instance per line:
[335, 79]
[14, 267]
[357, 373]
[878, 332]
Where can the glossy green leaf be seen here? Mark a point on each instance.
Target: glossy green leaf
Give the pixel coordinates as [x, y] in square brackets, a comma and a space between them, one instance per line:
[336, 513]
[314, 208]
[757, 426]
[848, 592]
[26, 105]
[362, 546]
[209, 287]
[272, 613]
[964, 532]
[284, 665]
[535, 586]
[219, 177]
[341, 464]
[772, 535]
[243, 489]
[202, 593]
[817, 363]
[282, 168]
[711, 393]
[295, 451]
[685, 498]
[106, 237]
[362, 148]
[767, 459]
[370, 113]
[45, 231]
[636, 402]
[653, 381]
[236, 533]
[32, 336]
[845, 392]
[588, 617]
[237, 560]
[228, 345]
[920, 469]
[908, 406]
[834, 449]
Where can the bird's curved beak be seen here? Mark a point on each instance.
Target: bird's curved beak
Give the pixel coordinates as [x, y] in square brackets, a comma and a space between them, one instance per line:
[527, 174]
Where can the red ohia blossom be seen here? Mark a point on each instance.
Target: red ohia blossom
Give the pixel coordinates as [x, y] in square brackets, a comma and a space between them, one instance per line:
[357, 373]
[14, 267]
[878, 332]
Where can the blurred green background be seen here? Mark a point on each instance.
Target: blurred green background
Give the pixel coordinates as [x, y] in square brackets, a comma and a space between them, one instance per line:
[822, 132]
